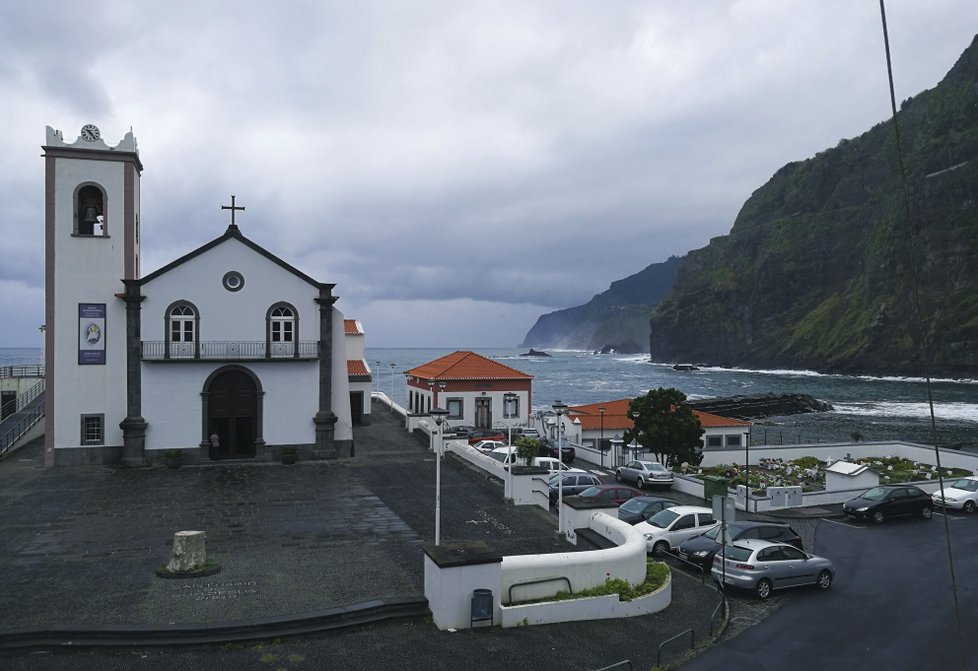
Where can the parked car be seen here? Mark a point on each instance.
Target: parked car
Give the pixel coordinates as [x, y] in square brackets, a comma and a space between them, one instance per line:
[548, 448]
[462, 429]
[505, 454]
[526, 432]
[670, 527]
[886, 501]
[644, 472]
[700, 549]
[616, 494]
[763, 566]
[554, 465]
[574, 483]
[488, 445]
[642, 508]
[486, 434]
[961, 494]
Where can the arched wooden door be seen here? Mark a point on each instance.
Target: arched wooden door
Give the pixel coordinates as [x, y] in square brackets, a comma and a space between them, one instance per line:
[232, 413]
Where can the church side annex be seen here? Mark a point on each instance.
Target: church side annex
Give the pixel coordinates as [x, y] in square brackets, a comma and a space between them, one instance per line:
[228, 352]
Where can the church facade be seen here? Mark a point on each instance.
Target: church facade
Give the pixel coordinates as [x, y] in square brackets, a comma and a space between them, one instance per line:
[228, 352]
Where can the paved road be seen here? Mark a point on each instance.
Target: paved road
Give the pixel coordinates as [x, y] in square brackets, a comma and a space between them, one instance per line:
[891, 606]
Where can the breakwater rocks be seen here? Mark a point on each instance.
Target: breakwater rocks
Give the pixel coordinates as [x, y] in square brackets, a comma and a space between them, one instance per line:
[758, 406]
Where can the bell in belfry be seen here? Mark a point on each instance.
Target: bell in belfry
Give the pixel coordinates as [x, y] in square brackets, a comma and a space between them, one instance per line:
[89, 218]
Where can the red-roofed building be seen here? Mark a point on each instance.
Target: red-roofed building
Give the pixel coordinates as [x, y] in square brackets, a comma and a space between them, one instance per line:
[357, 371]
[587, 425]
[472, 388]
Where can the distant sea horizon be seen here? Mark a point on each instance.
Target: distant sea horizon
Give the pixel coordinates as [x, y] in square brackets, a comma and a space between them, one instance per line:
[878, 408]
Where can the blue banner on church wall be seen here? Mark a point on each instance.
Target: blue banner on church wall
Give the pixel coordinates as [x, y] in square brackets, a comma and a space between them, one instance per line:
[91, 333]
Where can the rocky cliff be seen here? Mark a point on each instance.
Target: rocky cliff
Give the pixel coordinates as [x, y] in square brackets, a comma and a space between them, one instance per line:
[816, 271]
[617, 318]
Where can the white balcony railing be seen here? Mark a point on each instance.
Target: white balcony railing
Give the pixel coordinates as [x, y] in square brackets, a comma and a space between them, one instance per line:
[228, 350]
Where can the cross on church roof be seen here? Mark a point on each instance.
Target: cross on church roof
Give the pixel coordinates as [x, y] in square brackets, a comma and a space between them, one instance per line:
[233, 208]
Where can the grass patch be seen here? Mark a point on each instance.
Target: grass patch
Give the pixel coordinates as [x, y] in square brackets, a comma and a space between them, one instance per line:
[656, 574]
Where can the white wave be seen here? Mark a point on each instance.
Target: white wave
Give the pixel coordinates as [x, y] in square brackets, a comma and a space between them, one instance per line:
[966, 412]
[788, 372]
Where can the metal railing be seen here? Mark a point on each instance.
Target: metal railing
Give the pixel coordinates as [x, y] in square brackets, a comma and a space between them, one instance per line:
[226, 350]
[28, 370]
[16, 426]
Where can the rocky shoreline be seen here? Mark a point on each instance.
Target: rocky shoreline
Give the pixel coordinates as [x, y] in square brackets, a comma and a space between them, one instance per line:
[758, 406]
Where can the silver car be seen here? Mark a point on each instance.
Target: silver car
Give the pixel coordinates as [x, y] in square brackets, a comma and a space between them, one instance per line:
[643, 473]
[763, 566]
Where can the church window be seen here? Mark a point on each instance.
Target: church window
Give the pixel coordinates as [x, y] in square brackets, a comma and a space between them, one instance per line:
[90, 211]
[91, 430]
[182, 325]
[283, 325]
[282, 330]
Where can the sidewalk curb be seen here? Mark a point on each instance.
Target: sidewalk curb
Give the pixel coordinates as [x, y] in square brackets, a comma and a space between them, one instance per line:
[178, 635]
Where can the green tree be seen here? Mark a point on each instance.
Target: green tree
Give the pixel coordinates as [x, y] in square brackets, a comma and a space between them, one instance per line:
[527, 448]
[667, 427]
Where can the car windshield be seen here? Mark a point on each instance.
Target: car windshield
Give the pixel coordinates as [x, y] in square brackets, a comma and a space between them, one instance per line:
[966, 484]
[712, 533]
[634, 506]
[874, 494]
[736, 553]
[663, 518]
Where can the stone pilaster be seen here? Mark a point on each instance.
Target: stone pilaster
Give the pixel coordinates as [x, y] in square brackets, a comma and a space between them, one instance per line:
[133, 426]
[325, 419]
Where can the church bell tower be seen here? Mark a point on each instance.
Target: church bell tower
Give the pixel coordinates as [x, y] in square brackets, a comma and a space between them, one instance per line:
[91, 222]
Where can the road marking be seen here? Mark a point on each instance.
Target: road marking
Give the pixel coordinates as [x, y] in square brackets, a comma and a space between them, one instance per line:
[842, 524]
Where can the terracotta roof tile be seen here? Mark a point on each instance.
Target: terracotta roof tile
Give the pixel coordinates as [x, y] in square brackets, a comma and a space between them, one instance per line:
[616, 416]
[357, 370]
[352, 327]
[466, 366]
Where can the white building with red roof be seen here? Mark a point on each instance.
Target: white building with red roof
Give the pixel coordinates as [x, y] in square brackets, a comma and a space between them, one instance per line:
[475, 389]
[596, 424]
[359, 373]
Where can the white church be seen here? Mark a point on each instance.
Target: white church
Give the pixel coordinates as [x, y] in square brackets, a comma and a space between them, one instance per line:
[228, 352]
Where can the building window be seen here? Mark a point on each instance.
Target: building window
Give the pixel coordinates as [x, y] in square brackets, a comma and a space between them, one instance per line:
[733, 441]
[714, 441]
[181, 330]
[283, 325]
[282, 329]
[454, 408]
[511, 407]
[91, 430]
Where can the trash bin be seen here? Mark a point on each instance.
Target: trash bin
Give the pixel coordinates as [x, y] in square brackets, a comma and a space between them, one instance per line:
[714, 485]
[482, 607]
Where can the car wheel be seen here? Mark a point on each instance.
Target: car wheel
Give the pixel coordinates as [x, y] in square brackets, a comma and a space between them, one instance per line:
[618, 476]
[969, 506]
[763, 588]
[639, 482]
[824, 580]
[660, 548]
[879, 517]
[926, 512]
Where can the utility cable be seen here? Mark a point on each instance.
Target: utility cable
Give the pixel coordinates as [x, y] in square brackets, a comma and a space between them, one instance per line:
[923, 339]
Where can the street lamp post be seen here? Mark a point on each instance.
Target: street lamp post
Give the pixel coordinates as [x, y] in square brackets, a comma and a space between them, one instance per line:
[392, 387]
[634, 443]
[509, 400]
[439, 415]
[601, 440]
[560, 408]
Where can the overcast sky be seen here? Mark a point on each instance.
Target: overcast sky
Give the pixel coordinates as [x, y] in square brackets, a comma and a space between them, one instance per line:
[456, 167]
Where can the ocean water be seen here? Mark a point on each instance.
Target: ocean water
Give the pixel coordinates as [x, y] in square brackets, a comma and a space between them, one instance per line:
[887, 408]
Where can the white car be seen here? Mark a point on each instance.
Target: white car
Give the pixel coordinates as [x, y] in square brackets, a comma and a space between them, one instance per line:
[555, 466]
[671, 526]
[505, 455]
[960, 494]
[488, 445]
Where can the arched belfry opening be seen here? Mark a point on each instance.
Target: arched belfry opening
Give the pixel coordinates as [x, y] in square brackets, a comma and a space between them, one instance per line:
[233, 413]
[90, 211]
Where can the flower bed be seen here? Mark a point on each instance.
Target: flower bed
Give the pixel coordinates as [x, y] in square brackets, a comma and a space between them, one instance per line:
[809, 472]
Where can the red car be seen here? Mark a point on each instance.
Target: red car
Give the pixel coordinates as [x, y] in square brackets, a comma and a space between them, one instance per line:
[616, 494]
[486, 434]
